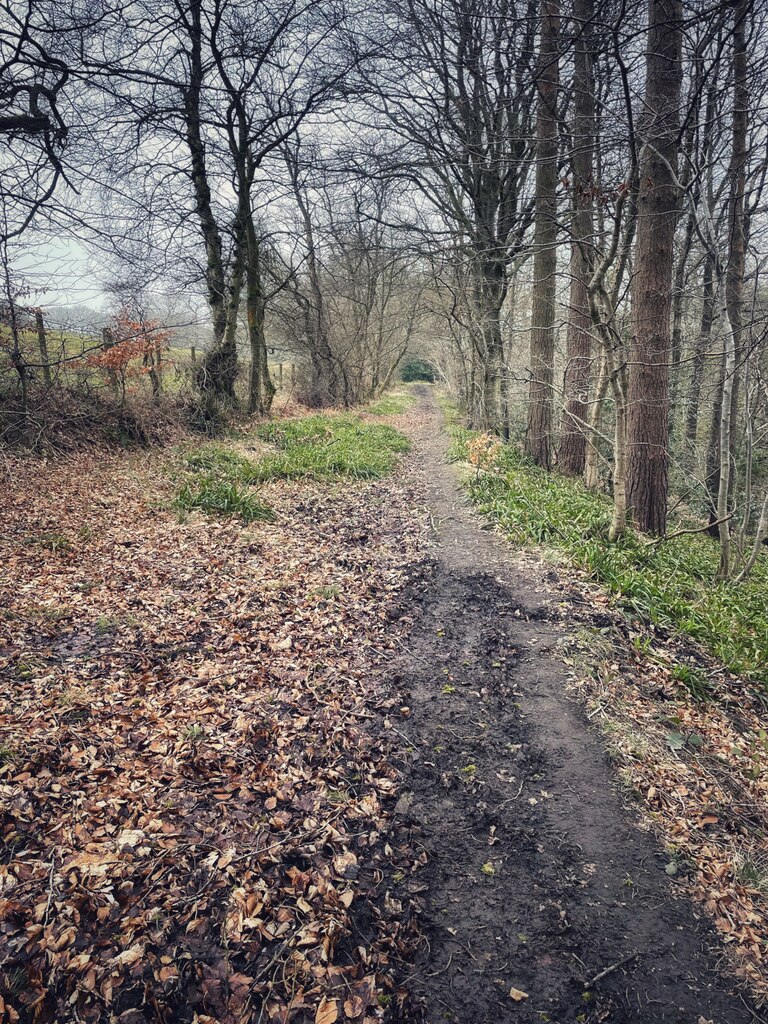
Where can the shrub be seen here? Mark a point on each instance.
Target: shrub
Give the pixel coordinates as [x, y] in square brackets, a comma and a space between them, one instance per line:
[418, 370]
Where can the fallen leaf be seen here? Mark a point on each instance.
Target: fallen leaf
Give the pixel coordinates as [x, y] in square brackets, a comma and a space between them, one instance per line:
[327, 1011]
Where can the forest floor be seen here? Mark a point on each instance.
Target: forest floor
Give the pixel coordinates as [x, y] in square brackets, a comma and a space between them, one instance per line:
[326, 768]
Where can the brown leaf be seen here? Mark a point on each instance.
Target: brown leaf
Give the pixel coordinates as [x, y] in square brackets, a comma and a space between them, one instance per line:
[327, 1011]
[354, 1006]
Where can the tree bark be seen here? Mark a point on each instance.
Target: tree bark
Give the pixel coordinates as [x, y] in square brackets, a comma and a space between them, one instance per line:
[734, 280]
[261, 390]
[490, 291]
[699, 355]
[578, 351]
[218, 369]
[678, 303]
[592, 455]
[648, 383]
[734, 283]
[538, 442]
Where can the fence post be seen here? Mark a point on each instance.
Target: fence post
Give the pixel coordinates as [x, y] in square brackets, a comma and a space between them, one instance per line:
[280, 375]
[194, 354]
[293, 374]
[43, 343]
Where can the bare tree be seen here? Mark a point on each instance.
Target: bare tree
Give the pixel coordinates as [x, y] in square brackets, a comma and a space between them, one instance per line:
[230, 90]
[648, 379]
[33, 84]
[355, 283]
[572, 451]
[455, 89]
[538, 441]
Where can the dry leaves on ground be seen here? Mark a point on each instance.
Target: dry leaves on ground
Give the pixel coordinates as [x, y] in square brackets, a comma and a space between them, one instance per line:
[194, 749]
[699, 765]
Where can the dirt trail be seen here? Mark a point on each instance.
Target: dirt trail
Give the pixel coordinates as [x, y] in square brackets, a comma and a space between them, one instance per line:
[538, 879]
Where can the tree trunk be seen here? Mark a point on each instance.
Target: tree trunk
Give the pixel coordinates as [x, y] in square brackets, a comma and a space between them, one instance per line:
[619, 519]
[326, 385]
[538, 442]
[678, 290]
[699, 355]
[490, 287]
[734, 281]
[261, 390]
[573, 441]
[734, 276]
[648, 384]
[108, 342]
[592, 455]
[678, 301]
[17, 356]
[218, 369]
[724, 476]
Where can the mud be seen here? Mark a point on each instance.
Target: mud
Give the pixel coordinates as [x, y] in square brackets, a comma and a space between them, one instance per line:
[538, 878]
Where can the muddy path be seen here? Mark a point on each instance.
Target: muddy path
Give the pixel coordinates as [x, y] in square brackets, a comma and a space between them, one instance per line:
[538, 880]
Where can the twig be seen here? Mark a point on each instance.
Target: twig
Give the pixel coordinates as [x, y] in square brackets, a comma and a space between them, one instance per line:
[513, 798]
[402, 735]
[435, 974]
[610, 970]
[50, 888]
[692, 529]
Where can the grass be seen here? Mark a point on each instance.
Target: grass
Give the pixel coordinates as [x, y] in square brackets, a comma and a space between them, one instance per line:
[222, 497]
[671, 584]
[325, 447]
[221, 481]
[394, 403]
[217, 460]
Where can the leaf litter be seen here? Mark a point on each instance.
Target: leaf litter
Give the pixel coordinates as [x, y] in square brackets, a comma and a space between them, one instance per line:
[194, 738]
[696, 758]
[195, 755]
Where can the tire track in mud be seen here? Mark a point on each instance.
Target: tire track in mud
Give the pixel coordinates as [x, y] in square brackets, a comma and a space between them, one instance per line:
[538, 881]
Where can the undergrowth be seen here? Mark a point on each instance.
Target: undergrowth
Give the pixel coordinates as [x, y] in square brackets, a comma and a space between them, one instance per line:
[323, 447]
[220, 480]
[669, 584]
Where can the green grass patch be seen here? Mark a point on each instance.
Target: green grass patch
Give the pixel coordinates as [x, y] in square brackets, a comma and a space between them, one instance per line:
[393, 403]
[671, 584]
[324, 447]
[219, 461]
[222, 497]
[221, 481]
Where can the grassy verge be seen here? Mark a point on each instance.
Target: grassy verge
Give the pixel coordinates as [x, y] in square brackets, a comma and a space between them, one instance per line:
[220, 480]
[671, 584]
[324, 447]
[393, 403]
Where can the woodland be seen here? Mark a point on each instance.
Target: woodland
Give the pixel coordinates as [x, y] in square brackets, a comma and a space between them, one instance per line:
[288, 290]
